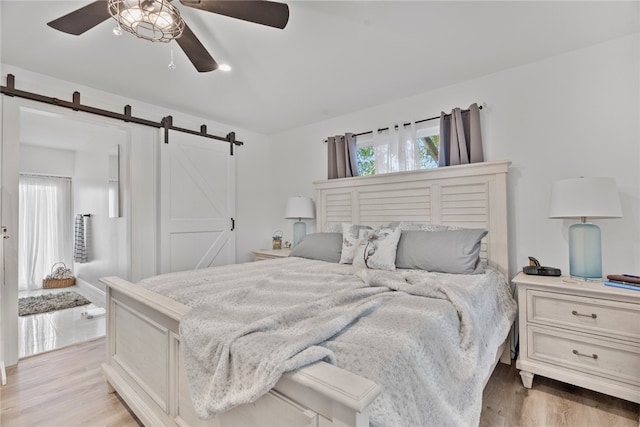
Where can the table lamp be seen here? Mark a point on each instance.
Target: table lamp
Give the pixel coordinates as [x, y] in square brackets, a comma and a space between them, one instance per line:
[299, 208]
[585, 198]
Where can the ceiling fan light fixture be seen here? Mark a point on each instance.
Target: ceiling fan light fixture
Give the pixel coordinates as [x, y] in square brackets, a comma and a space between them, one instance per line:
[154, 20]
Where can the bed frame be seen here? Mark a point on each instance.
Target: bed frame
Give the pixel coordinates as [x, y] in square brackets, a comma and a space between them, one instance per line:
[143, 362]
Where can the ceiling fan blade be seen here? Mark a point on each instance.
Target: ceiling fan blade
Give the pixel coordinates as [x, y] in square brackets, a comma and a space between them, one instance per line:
[272, 14]
[195, 51]
[83, 19]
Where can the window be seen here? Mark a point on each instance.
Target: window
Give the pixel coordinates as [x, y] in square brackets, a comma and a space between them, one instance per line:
[45, 236]
[429, 148]
[399, 149]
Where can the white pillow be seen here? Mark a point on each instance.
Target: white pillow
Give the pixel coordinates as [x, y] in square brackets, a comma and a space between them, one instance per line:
[351, 240]
[358, 257]
[377, 250]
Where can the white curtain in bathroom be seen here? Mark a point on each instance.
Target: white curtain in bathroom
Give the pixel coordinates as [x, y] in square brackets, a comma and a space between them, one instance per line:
[45, 235]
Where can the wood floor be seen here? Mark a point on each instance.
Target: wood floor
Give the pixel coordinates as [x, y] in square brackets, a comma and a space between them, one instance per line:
[550, 403]
[62, 388]
[65, 388]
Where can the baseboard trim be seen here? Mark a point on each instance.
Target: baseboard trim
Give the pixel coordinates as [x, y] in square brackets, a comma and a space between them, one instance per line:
[97, 296]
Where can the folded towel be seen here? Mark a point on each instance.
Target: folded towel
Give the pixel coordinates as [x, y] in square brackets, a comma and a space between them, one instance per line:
[80, 242]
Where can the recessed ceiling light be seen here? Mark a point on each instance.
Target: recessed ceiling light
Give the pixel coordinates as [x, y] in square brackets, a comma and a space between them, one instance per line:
[224, 67]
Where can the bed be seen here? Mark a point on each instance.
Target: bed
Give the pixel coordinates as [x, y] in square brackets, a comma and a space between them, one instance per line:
[148, 323]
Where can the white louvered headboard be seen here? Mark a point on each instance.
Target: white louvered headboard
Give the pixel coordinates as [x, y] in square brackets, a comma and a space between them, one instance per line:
[470, 196]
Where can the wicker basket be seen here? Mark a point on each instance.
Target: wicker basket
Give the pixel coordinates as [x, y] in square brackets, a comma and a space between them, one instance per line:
[58, 283]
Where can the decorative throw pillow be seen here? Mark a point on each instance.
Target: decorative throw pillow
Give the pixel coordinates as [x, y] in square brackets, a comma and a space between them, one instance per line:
[450, 251]
[319, 246]
[350, 241]
[358, 256]
[377, 249]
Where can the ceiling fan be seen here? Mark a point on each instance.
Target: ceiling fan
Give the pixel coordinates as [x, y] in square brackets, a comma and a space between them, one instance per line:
[159, 20]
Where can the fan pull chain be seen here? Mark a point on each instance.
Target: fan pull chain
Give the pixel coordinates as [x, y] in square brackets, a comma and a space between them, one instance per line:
[117, 30]
[171, 65]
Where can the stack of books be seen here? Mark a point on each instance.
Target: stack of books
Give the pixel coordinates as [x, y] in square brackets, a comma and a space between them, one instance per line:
[626, 281]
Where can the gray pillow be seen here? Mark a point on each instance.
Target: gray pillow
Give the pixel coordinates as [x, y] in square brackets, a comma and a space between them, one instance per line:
[319, 246]
[452, 251]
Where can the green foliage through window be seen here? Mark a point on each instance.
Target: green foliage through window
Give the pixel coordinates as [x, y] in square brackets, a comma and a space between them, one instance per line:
[428, 148]
[365, 158]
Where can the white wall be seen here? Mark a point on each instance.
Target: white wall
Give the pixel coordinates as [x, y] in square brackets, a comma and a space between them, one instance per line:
[47, 161]
[89, 170]
[254, 201]
[571, 115]
[106, 237]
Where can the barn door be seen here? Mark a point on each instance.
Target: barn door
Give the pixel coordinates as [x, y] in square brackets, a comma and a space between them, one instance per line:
[197, 203]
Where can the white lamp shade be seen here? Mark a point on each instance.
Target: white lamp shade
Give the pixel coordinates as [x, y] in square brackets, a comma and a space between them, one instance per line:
[585, 197]
[299, 207]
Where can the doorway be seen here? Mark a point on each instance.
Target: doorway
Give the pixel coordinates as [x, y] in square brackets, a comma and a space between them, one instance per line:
[45, 242]
[69, 168]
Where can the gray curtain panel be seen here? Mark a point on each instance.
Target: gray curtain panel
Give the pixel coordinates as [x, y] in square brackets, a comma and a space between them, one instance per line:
[460, 137]
[341, 151]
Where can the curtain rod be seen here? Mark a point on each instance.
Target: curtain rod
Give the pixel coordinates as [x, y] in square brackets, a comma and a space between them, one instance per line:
[405, 124]
[166, 122]
[44, 175]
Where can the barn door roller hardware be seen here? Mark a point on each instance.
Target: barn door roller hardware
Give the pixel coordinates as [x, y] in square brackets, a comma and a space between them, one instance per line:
[166, 123]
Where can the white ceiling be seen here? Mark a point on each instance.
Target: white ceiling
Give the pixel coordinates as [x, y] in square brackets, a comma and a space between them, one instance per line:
[334, 57]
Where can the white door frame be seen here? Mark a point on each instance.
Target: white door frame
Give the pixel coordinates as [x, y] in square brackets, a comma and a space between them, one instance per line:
[9, 218]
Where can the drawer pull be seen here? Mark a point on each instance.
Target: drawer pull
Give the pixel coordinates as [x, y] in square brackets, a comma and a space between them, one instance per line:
[577, 353]
[592, 315]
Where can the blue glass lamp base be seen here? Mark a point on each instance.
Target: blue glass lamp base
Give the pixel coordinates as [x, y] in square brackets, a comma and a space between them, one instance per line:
[585, 256]
[299, 231]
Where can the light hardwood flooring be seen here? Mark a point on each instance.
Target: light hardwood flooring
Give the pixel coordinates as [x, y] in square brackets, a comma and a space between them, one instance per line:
[65, 388]
[62, 388]
[550, 403]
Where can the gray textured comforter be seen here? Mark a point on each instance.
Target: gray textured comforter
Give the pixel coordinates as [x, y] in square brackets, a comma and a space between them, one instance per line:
[429, 339]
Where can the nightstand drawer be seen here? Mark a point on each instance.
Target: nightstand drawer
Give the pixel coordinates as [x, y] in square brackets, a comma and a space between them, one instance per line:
[603, 317]
[604, 358]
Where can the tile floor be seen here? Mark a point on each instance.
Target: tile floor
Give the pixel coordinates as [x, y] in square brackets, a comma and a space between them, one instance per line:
[49, 331]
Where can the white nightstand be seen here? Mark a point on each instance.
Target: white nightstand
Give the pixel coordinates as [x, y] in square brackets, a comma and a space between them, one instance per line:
[262, 254]
[582, 333]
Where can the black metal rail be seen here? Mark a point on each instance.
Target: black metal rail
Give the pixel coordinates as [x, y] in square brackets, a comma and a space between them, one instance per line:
[166, 123]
